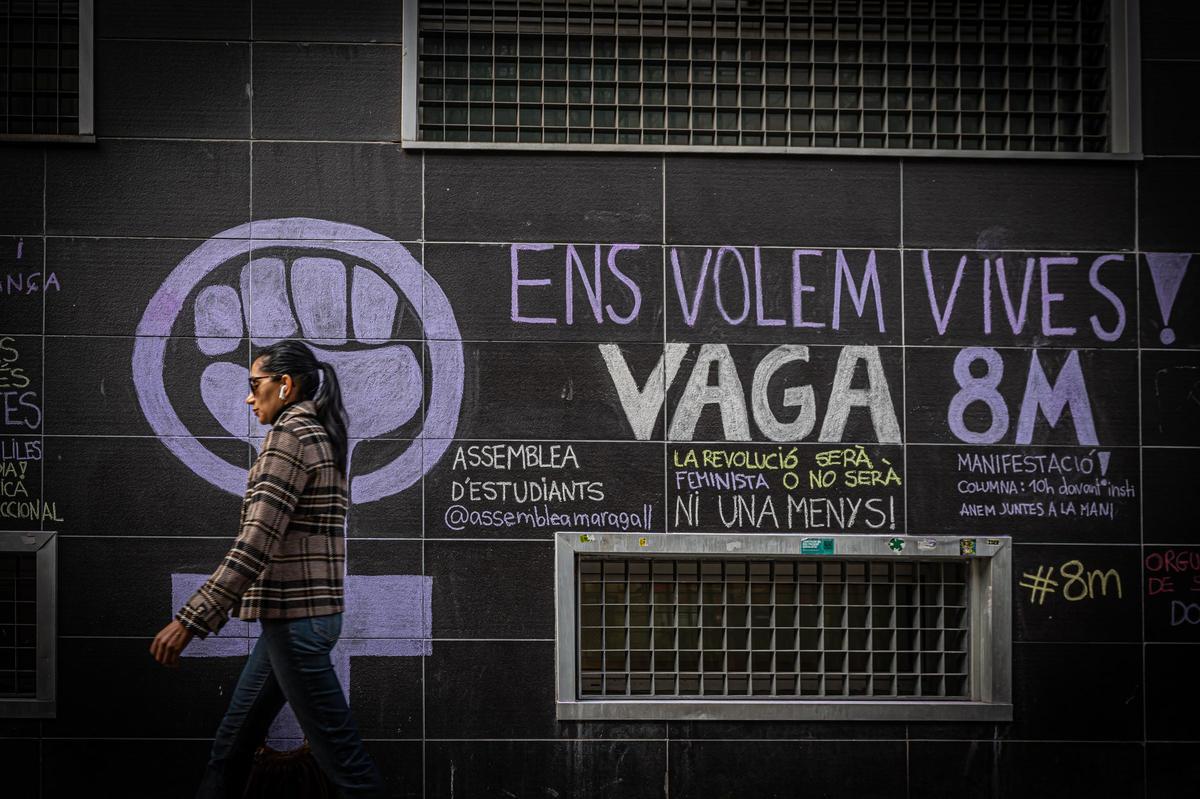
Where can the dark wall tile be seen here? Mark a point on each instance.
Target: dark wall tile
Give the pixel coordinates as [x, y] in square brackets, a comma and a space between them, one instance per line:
[955, 769]
[778, 769]
[565, 292]
[1168, 716]
[1170, 296]
[20, 761]
[491, 589]
[1005, 205]
[397, 508]
[1108, 379]
[148, 188]
[21, 203]
[386, 696]
[310, 21]
[401, 763]
[206, 398]
[1077, 692]
[1170, 414]
[518, 489]
[221, 19]
[490, 689]
[107, 283]
[865, 491]
[1072, 769]
[1094, 596]
[165, 768]
[1020, 299]
[800, 296]
[1035, 494]
[136, 569]
[583, 769]
[26, 277]
[23, 396]
[1171, 769]
[199, 690]
[188, 90]
[1168, 483]
[814, 202]
[1171, 106]
[1166, 26]
[567, 198]
[1172, 600]
[374, 186]
[333, 92]
[1166, 204]
[550, 391]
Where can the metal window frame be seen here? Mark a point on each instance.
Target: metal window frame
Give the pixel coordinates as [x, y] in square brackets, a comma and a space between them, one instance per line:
[87, 93]
[45, 544]
[990, 584]
[1125, 118]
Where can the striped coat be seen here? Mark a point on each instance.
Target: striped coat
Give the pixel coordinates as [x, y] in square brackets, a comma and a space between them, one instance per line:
[289, 558]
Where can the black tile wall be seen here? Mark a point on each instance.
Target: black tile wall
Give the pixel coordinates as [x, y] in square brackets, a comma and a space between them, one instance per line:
[330, 92]
[149, 188]
[810, 202]
[230, 116]
[572, 198]
[1015, 205]
[129, 19]
[194, 90]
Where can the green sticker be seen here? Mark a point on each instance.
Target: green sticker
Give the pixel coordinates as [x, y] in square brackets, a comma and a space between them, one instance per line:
[966, 546]
[584, 539]
[816, 546]
[896, 544]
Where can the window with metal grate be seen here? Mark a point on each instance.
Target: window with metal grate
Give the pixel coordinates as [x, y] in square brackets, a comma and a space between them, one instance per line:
[959, 76]
[46, 84]
[672, 622]
[27, 623]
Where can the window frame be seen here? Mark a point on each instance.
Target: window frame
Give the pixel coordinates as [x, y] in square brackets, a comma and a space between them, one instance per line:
[990, 582]
[1125, 112]
[87, 93]
[43, 705]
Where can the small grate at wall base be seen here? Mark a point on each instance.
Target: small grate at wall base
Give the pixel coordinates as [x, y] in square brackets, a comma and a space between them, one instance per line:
[678, 628]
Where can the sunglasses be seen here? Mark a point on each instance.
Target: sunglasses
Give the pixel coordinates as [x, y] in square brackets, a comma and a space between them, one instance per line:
[254, 381]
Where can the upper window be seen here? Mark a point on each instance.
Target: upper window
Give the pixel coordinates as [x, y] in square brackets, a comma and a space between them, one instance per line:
[46, 58]
[897, 76]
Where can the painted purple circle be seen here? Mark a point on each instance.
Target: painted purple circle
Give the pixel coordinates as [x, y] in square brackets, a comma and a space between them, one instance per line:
[442, 340]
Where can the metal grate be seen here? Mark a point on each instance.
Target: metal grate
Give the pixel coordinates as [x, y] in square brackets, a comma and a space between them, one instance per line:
[18, 624]
[950, 75]
[667, 627]
[40, 86]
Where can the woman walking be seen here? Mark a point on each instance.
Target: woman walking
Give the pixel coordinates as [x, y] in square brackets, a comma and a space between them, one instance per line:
[285, 569]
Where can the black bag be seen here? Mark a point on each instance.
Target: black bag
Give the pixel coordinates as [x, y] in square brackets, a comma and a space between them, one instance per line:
[293, 774]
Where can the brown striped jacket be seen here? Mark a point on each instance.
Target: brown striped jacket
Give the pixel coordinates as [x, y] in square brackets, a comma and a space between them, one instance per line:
[289, 558]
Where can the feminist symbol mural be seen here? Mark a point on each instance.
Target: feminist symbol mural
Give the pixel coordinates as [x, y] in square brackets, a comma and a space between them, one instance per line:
[338, 286]
[386, 616]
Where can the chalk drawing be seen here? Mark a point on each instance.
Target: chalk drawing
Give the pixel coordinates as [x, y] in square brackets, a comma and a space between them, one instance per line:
[305, 294]
[386, 616]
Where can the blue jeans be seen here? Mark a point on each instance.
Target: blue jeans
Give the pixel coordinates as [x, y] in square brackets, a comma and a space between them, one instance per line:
[290, 663]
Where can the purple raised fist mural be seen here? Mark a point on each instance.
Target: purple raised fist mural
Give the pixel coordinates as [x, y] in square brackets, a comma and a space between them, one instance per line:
[342, 288]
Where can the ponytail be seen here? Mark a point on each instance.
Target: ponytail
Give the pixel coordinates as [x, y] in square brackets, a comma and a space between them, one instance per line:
[317, 381]
[332, 413]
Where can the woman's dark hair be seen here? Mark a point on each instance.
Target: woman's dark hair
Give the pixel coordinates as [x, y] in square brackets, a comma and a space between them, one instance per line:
[316, 381]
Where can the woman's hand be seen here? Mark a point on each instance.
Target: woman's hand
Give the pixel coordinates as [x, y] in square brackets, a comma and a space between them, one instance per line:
[169, 642]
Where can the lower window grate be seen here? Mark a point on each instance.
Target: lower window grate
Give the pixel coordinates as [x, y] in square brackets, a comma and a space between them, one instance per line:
[18, 625]
[785, 627]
